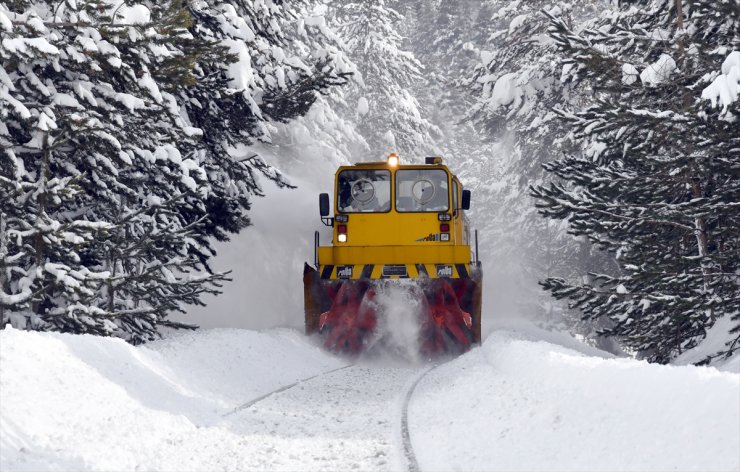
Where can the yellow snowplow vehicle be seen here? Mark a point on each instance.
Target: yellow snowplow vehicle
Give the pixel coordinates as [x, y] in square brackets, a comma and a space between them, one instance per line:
[394, 221]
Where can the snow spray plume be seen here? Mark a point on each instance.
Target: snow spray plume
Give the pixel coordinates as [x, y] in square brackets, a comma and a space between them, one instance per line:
[399, 310]
[504, 215]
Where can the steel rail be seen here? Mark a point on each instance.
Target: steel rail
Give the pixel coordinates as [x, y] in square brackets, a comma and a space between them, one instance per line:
[408, 448]
[253, 401]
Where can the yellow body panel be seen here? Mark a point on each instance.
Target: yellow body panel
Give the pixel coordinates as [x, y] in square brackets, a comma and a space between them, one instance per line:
[413, 239]
[393, 229]
[428, 254]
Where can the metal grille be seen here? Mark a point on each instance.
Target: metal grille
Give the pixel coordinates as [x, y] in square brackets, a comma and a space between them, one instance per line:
[391, 270]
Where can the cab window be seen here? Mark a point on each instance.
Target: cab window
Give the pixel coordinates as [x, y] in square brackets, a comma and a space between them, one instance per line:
[421, 190]
[364, 191]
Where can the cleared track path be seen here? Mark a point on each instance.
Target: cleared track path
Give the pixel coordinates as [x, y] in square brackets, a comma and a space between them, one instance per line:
[349, 418]
[251, 402]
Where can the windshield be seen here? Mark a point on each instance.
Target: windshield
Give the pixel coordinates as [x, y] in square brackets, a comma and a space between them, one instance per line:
[365, 191]
[419, 190]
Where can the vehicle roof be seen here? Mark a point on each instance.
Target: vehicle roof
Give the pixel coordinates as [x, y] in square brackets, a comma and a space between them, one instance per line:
[384, 166]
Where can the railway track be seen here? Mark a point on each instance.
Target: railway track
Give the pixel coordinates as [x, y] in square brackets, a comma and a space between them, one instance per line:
[408, 448]
[352, 412]
[251, 402]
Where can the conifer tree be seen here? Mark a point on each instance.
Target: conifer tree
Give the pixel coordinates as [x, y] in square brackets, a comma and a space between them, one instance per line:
[659, 183]
[121, 130]
[440, 31]
[326, 133]
[440, 35]
[94, 225]
[266, 64]
[515, 86]
[389, 116]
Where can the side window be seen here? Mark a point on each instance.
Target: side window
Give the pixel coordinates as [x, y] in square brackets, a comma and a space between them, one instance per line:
[455, 193]
[364, 191]
[422, 190]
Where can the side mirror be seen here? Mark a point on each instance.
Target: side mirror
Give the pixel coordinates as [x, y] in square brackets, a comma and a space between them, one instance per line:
[324, 204]
[466, 200]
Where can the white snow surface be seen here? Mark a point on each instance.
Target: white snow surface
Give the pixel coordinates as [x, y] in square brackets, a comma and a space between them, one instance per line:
[725, 88]
[363, 106]
[717, 340]
[629, 74]
[89, 403]
[658, 72]
[505, 91]
[519, 402]
[525, 404]
[133, 15]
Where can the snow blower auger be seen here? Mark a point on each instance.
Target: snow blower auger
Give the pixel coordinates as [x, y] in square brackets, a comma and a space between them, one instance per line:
[394, 221]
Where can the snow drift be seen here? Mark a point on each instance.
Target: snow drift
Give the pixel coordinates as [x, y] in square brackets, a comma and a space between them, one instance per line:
[516, 403]
[526, 404]
[89, 403]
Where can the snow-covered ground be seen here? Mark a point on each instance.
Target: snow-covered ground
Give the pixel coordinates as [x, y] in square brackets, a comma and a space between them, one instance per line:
[86, 403]
[519, 403]
[522, 401]
[717, 337]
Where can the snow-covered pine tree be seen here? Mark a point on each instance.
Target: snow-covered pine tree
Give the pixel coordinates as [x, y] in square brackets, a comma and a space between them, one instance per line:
[266, 67]
[113, 194]
[325, 137]
[515, 86]
[517, 82]
[389, 116]
[659, 184]
[439, 35]
[440, 30]
[93, 189]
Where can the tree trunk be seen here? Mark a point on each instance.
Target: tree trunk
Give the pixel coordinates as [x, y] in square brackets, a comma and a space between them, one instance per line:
[38, 245]
[679, 14]
[3, 255]
[702, 241]
[111, 290]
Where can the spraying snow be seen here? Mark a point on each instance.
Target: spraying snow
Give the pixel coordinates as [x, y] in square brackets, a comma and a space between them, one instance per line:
[399, 308]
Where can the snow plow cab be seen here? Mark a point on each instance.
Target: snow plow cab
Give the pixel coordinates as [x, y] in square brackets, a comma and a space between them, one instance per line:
[394, 222]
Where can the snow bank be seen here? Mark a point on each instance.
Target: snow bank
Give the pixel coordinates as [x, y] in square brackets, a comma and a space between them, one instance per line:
[718, 339]
[89, 403]
[517, 404]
